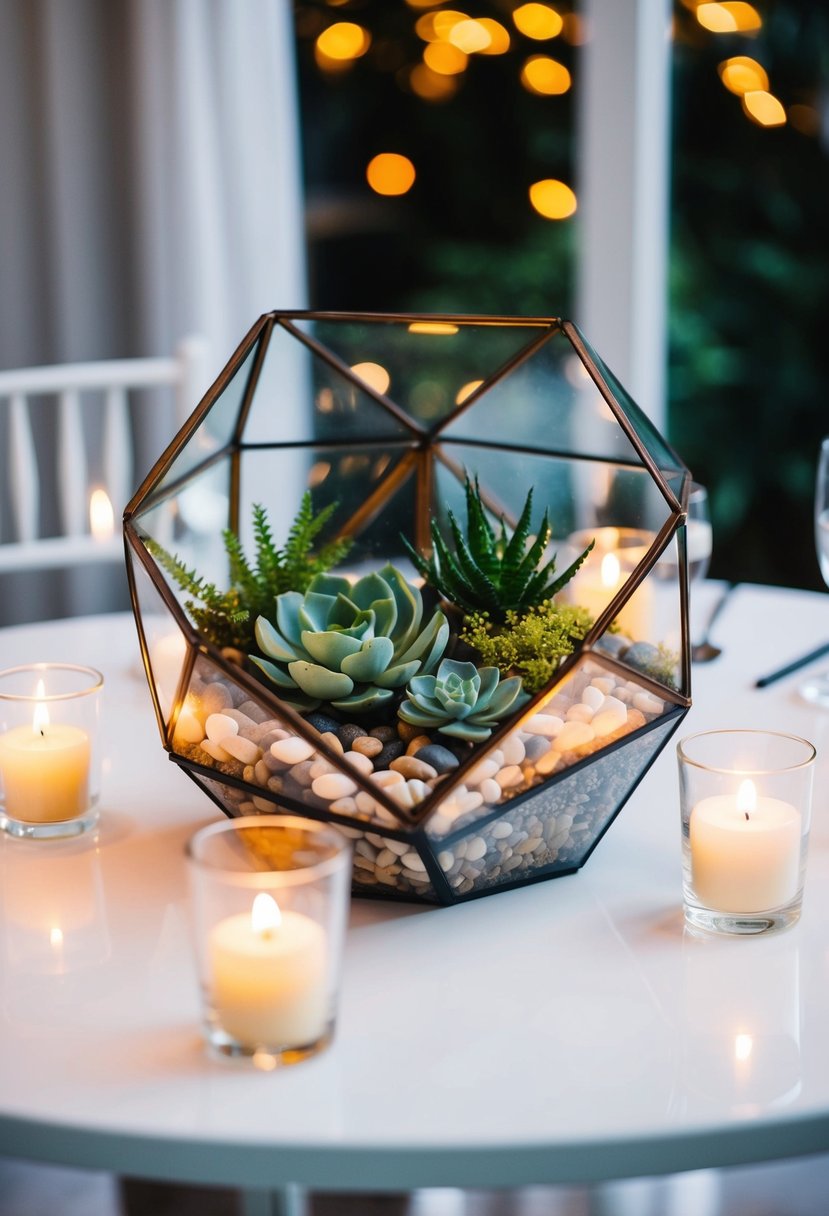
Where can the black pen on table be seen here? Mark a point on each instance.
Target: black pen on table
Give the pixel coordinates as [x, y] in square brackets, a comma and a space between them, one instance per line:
[795, 665]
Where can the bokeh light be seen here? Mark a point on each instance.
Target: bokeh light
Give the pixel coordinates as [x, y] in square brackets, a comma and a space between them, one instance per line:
[343, 40]
[499, 37]
[429, 85]
[470, 36]
[546, 76]
[537, 21]
[374, 375]
[390, 173]
[553, 199]
[445, 328]
[729, 17]
[740, 74]
[466, 391]
[444, 58]
[764, 109]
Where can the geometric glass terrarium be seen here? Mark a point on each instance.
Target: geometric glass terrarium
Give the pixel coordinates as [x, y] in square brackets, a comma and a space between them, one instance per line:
[386, 422]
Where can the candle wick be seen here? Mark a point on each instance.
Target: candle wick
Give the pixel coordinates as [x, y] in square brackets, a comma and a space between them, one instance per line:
[746, 814]
[42, 735]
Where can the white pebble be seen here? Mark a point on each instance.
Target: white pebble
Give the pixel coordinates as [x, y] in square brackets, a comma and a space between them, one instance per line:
[343, 806]
[214, 699]
[292, 750]
[475, 848]
[401, 794]
[608, 721]
[481, 771]
[547, 763]
[615, 704]
[418, 790]
[579, 713]
[509, 776]
[219, 726]
[213, 749]
[365, 803]
[398, 847]
[333, 742]
[490, 791]
[574, 734]
[446, 859]
[648, 704]
[360, 762]
[546, 725]
[321, 767]
[413, 861]
[246, 725]
[387, 777]
[593, 697]
[513, 749]
[331, 786]
[242, 749]
[605, 684]
[262, 804]
[500, 830]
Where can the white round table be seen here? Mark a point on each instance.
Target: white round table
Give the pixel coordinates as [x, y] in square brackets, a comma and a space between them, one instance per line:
[564, 1032]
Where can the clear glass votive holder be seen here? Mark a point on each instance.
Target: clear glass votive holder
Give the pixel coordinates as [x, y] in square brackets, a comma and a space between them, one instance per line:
[270, 902]
[50, 765]
[746, 799]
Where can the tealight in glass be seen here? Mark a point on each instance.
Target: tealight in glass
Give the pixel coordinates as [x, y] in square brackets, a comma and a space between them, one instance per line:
[270, 903]
[746, 799]
[49, 752]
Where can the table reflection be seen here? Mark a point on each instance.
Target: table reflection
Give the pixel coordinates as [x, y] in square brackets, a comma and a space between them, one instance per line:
[742, 1031]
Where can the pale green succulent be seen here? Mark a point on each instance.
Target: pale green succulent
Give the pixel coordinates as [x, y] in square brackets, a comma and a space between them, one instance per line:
[461, 700]
[349, 644]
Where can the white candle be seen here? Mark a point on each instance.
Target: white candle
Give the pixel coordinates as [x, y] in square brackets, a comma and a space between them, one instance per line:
[603, 575]
[45, 770]
[269, 976]
[745, 851]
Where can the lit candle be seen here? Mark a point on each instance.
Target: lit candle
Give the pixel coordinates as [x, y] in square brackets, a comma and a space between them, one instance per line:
[601, 580]
[45, 769]
[269, 976]
[745, 851]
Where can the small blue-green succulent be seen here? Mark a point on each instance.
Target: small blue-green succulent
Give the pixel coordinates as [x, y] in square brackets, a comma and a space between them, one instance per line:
[347, 644]
[461, 700]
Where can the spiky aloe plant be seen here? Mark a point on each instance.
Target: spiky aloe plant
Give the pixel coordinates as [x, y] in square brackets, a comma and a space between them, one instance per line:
[493, 572]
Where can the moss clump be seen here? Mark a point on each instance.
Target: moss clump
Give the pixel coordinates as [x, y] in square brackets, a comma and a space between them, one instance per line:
[531, 644]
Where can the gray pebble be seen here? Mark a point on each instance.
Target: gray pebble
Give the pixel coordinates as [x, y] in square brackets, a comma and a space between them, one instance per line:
[390, 752]
[348, 733]
[323, 723]
[440, 758]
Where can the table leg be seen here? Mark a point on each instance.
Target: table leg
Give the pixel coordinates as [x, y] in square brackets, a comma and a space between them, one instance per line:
[286, 1201]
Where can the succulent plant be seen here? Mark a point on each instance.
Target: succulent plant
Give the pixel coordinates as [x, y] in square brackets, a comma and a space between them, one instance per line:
[348, 644]
[461, 700]
[493, 573]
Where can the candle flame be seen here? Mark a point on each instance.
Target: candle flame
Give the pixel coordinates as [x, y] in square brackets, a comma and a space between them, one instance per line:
[747, 798]
[101, 515]
[40, 717]
[56, 938]
[611, 570]
[265, 916]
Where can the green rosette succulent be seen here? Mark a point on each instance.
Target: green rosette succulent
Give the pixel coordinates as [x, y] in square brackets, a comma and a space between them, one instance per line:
[461, 700]
[349, 645]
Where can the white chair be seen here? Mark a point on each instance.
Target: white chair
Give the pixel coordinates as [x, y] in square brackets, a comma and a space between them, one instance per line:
[91, 405]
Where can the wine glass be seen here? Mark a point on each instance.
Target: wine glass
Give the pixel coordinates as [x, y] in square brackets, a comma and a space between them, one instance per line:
[816, 689]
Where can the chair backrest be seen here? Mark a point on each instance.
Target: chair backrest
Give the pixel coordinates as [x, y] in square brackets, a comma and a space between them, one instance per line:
[56, 422]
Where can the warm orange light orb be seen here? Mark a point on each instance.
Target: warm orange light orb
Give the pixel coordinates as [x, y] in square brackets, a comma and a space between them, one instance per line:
[553, 199]
[545, 76]
[764, 109]
[390, 173]
[537, 21]
[741, 74]
[343, 40]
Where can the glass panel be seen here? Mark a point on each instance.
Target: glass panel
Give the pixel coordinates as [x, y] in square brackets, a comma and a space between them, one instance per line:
[554, 831]
[374, 493]
[216, 428]
[301, 398]
[593, 708]
[426, 367]
[548, 403]
[660, 452]
[165, 643]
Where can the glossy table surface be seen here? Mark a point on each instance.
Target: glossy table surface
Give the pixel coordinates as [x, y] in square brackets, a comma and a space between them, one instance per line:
[567, 1031]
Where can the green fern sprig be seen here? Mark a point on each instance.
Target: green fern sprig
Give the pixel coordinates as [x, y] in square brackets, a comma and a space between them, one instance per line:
[493, 572]
[226, 618]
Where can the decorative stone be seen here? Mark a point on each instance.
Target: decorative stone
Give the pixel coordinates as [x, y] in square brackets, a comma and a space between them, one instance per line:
[242, 749]
[593, 697]
[360, 762]
[390, 752]
[323, 722]
[332, 786]
[512, 749]
[348, 733]
[366, 745]
[291, 750]
[410, 766]
[574, 734]
[220, 726]
[546, 725]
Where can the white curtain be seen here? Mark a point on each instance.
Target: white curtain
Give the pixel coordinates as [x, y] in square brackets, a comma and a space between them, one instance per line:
[150, 177]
